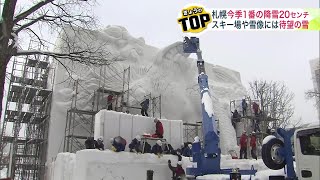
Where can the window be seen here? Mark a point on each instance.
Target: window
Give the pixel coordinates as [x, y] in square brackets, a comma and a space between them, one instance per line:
[310, 141]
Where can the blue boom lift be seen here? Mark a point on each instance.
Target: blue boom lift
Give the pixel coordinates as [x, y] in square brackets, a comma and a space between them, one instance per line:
[206, 160]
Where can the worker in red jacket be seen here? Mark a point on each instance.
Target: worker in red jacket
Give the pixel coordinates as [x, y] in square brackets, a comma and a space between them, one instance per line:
[243, 145]
[109, 102]
[253, 144]
[255, 108]
[159, 129]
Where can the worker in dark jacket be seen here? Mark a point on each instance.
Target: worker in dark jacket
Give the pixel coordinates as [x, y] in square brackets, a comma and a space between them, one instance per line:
[135, 145]
[243, 145]
[157, 148]
[145, 107]
[235, 118]
[244, 107]
[178, 172]
[99, 144]
[168, 149]
[187, 152]
[90, 143]
[159, 129]
[118, 144]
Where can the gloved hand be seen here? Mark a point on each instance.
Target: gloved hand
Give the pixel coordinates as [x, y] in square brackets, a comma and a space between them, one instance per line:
[113, 148]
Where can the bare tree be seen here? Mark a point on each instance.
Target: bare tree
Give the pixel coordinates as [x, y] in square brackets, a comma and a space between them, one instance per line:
[37, 19]
[315, 93]
[275, 99]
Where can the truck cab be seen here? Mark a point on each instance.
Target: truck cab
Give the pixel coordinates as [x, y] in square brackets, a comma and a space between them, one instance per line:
[307, 152]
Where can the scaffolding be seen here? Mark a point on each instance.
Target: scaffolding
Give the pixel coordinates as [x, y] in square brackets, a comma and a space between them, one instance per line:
[191, 130]
[80, 123]
[249, 121]
[26, 117]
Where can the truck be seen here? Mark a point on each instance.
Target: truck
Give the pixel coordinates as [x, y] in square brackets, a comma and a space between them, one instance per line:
[296, 146]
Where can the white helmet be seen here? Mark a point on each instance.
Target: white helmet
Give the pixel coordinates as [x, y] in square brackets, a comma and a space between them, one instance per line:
[159, 143]
[196, 139]
[138, 138]
[100, 138]
[190, 146]
[179, 163]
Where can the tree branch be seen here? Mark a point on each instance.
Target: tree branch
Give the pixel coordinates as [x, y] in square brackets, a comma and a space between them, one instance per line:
[34, 8]
[29, 24]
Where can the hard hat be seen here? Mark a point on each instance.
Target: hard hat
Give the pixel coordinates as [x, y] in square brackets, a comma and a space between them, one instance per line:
[253, 132]
[196, 139]
[179, 163]
[190, 146]
[100, 138]
[159, 142]
[138, 138]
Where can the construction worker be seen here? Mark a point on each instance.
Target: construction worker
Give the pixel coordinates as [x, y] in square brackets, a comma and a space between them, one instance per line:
[243, 145]
[109, 102]
[135, 145]
[187, 152]
[90, 143]
[99, 143]
[253, 144]
[255, 108]
[235, 118]
[157, 148]
[159, 129]
[178, 172]
[118, 144]
[145, 107]
[244, 107]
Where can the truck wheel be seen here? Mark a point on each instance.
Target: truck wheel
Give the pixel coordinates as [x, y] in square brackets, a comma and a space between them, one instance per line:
[270, 155]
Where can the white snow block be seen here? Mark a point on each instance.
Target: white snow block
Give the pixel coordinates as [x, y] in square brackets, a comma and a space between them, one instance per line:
[63, 167]
[111, 124]
[176, 132]
[98, 125]
[126, 128]
[108, 165]
[142, 124]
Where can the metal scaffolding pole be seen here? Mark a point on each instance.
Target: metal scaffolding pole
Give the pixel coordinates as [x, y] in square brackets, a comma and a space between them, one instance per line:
[27, 111]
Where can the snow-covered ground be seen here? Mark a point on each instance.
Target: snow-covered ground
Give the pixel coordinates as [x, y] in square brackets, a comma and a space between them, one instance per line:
[165, 71]
[108, 165]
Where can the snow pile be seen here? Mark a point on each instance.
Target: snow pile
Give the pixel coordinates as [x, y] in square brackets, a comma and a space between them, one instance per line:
[108, 165]
[166, 72]
[109, 124]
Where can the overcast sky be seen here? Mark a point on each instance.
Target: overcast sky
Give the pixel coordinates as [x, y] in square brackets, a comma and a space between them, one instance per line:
[279, 56]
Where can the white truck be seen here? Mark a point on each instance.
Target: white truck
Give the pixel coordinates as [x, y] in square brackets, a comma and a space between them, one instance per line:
[277, 152]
